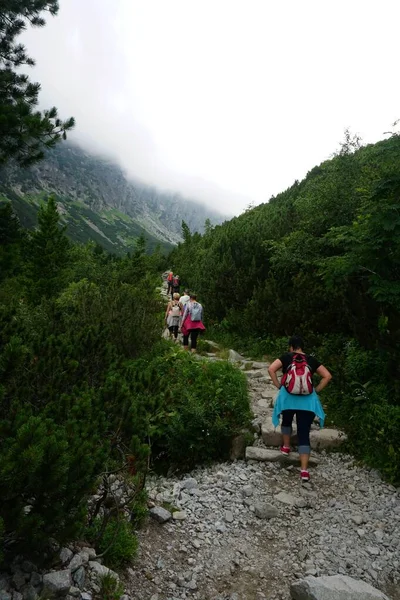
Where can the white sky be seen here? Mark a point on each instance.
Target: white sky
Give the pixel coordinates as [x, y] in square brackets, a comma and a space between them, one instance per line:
[225, 101]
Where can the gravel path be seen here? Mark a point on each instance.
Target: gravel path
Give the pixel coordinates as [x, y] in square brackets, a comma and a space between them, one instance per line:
[347, 521]
[246, 530]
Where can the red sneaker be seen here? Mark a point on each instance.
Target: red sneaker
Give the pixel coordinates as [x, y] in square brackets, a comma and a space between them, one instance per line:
[285, 450]
[305, 475]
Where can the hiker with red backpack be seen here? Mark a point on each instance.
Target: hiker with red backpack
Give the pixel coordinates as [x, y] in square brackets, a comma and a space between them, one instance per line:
[298, 396]
[170, 277]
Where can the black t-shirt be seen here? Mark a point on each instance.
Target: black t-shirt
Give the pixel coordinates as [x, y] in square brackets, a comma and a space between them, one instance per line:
[287, 358]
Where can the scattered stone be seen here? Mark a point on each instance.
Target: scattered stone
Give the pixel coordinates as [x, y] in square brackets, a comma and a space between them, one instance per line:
[189, 484]
[179, 515]
[235, 356]
[36, 579]
[57, 582]
[160, 514]
[100, 570]
[229, 516]
[29, 593]
[265, 511]
[79, 577]
[336, 587]
[75, 563]
[291, 500]
[247, 491]
[65, 555]
[19, 579]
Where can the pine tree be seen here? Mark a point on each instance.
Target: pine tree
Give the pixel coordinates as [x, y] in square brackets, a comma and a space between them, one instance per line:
[48, 252]
[25, 132]
[10, 240]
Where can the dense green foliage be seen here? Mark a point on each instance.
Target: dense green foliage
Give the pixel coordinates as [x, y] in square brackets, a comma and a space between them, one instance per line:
[88, 387]
[25, 132]
[321, 259]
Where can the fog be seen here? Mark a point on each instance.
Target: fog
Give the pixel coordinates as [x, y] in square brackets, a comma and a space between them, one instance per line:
[225, 101]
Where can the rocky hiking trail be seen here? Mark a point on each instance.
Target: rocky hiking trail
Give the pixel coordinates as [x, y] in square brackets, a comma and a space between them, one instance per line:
[248, 529]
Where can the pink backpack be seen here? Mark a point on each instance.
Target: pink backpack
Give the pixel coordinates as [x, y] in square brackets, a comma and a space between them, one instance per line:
[298, 378]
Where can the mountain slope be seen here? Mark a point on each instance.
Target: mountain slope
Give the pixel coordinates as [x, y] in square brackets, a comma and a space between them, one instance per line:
[98, 202]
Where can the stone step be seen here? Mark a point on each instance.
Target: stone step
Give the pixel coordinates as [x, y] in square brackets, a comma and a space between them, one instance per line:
[320, 439]
[260, 365]
[261, 374]
[268, 455]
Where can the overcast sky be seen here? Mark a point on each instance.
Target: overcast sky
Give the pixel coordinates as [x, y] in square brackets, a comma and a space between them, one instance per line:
[225, 101]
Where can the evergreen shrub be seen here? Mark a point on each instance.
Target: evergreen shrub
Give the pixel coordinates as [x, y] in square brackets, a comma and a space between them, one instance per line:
[195, 407]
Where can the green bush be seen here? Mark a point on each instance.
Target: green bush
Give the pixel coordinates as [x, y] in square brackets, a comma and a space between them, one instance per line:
[195, 407]
[118, 542]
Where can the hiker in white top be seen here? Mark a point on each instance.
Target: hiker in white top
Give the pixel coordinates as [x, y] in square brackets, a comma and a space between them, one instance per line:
[185, 298]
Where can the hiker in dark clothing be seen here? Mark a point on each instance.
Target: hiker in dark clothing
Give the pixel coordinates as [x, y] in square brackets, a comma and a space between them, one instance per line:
[175, 285]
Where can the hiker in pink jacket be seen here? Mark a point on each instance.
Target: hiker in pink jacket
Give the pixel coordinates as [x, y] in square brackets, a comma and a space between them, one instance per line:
[192, 323]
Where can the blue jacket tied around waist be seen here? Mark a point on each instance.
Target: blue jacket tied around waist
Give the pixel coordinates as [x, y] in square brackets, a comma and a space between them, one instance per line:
[286, 401]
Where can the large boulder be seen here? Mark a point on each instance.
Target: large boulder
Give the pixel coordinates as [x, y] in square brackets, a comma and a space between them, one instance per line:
[334, 587]
[326, 439]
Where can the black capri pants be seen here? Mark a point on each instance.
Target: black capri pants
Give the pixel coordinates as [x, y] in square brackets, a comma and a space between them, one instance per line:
[193, 334]
[304, 419]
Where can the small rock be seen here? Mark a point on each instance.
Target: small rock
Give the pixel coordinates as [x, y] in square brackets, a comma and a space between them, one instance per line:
[160, 514]
[36, 579]
[65, 555]
[229, 516]
[19, 579]
[29, 593]
[79, 577]
[265, 511]
[91, 552]
[374, 551]
[179, 515]
[28, 567]
[101, 570]
[247, 491]
[189, 484]
[290, 500]
[235, 356]
[75, 563]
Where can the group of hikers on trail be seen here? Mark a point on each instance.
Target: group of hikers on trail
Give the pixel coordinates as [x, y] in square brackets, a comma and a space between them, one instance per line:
[297, 395]
[183, 314]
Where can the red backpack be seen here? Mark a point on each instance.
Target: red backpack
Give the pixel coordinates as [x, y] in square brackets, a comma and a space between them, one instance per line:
[298, 377]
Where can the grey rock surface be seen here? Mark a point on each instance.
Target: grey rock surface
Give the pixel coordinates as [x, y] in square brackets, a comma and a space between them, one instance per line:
[336, 587]
[57, 582]
[160, 514]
